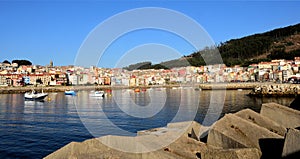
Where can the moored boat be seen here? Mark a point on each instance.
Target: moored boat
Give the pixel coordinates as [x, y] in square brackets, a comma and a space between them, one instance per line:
[70, 92]
[33, 95]
[97, 94]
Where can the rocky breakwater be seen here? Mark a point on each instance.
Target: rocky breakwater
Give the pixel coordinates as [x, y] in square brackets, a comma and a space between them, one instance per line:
[272, 133]
[228, 86]
[276, 90]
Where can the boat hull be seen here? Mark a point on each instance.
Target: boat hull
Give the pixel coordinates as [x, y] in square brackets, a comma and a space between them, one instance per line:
[35, 97]
[70, 93]
[97, 94]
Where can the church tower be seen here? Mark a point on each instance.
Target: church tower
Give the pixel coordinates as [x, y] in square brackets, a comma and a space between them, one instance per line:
[51, 63]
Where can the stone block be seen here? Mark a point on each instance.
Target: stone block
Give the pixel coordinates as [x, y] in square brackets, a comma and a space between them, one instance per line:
[291, 146]
[283, 115]
[93, 148]
[171, 142]
[192, 129]
[245, 153]
[234, 132]
[262, 121]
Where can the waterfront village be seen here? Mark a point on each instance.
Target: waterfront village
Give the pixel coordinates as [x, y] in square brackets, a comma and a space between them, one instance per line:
[279, 71]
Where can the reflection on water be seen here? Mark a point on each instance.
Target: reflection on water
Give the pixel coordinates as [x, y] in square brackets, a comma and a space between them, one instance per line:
[30, 129]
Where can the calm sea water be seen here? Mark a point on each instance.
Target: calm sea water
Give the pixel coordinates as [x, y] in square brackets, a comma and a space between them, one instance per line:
[31, 129]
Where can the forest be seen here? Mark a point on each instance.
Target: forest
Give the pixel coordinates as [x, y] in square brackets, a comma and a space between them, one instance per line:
[243, 51]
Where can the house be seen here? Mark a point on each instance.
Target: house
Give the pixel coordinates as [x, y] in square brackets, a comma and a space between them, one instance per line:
[3, 80]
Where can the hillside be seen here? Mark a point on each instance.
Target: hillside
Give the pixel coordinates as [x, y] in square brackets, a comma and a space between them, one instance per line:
[281, 43]
[275, 44]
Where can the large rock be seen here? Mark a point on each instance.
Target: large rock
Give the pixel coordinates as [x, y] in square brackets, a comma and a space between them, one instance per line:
[94, 149]
[180, 145]
[262, 121]
[191, 129]
[245, 153]
[291, 147]
[194, 129]
[234, 132]
[287, 117]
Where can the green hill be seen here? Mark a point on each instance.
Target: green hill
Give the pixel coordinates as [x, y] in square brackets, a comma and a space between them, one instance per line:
[281, 43]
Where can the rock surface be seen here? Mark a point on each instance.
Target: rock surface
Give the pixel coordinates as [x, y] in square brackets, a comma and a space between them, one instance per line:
[275, 90]
[292, 143]
[183, 147]
[286, 117]
[261, 121]
[234, 132]
[245, 134]
[245, 153]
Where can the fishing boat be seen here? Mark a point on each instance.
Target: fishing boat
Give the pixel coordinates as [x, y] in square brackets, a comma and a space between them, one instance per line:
[97, 94]
[33, 95]
[70, 92]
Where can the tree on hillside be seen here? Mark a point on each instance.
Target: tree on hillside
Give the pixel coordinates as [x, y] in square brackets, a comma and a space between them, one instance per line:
[141, 65]
[6, 61]
[22, 62]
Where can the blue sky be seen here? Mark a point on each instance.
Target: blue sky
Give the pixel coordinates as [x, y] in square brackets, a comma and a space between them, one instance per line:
[41, 31]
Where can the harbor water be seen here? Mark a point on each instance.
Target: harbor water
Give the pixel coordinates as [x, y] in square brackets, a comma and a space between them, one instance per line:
[34, 129]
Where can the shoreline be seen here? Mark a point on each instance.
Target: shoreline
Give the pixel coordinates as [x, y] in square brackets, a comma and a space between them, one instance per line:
[9, 90]
[205, 86]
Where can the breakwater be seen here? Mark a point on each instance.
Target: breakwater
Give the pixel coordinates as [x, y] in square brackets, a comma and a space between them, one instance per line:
[272, 133]
[258, 89]
[275, 90]
[229, 86]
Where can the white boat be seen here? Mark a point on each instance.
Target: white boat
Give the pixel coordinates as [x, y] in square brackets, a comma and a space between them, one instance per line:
[70, 92]
[33, 95]
[197, 89]
[97, 94]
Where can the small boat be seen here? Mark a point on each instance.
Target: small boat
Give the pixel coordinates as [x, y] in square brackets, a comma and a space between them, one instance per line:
[197, 89]
[239, 89]
[97, 94]
[70, 92]
[33, 95]
[137, 90]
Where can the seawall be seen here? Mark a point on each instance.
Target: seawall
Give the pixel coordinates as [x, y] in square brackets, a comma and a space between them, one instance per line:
[255, 89]
[206, 86]
[229, 86]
